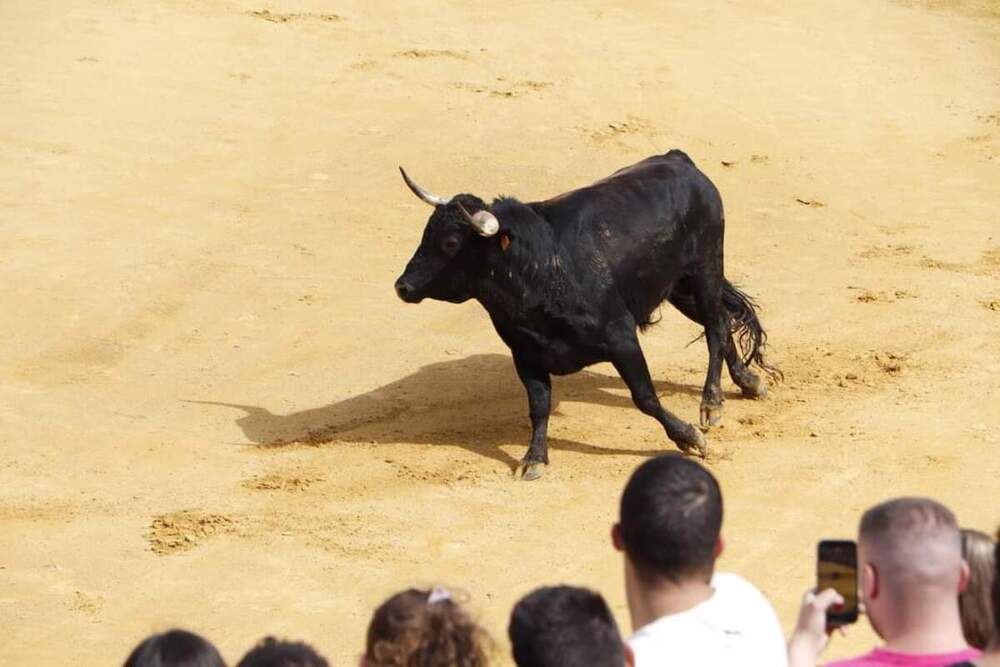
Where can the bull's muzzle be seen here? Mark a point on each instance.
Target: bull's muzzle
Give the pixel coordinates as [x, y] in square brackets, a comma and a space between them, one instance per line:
[405, 291]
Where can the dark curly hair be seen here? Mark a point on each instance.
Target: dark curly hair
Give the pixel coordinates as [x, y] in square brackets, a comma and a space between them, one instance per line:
[411, 630]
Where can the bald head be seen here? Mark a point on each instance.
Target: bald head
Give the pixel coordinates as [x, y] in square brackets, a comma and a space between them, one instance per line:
[916, 545]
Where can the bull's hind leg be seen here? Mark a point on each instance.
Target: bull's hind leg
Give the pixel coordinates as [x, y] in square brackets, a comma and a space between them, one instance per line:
[538, 384]
[627, 357]
[700, 299]
[750, 383]
[708, 299]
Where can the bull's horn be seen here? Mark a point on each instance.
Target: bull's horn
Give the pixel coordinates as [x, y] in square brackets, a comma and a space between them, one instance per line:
[483, 222]
[431, 199]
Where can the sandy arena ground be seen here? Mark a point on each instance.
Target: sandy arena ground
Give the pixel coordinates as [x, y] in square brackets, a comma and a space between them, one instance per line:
[215, 413]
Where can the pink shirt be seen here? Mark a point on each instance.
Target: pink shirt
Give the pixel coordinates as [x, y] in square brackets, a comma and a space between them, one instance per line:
[883, 658]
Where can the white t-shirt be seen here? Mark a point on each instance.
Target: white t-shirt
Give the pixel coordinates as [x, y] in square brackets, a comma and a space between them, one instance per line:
[736, 626]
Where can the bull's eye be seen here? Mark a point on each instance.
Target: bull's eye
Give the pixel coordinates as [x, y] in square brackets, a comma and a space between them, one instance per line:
[449, 246]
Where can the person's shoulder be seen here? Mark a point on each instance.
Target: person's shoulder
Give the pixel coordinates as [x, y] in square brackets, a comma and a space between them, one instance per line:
[682, 629]
[870, 659]
[736, 621]
[668, 639]
[673, 626]
[731, 581]
[880, 657]
[734, 588]
[741, 608]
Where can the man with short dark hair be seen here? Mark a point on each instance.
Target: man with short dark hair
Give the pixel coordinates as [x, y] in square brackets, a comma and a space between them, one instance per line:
[270, 652]
[684, 612]
[565, 626]
[910, 571]
[175, 648]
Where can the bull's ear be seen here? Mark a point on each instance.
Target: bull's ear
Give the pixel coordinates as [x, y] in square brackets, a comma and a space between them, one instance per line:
[483, 222]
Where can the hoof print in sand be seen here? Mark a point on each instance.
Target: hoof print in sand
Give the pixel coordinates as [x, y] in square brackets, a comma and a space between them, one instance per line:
[420, 54]
[890, 250]
[277, 17]
[890, 363]
[181, 531]
[870, 296]
[283, 481]
[89, 605]
[502, 89]
[987, 265]
[619, 129]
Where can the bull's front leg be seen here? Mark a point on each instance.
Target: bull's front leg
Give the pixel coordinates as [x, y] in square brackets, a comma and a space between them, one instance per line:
[627, 357]
[539, 387]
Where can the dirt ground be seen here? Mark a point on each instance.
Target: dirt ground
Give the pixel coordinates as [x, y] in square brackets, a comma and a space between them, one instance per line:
[214, 412]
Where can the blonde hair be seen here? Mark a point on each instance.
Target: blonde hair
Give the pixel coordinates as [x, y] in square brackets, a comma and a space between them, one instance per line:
[424, 628]
[974, 603]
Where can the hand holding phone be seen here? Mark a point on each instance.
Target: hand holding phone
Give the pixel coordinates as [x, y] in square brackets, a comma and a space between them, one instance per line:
[837, 568]
[812, 632]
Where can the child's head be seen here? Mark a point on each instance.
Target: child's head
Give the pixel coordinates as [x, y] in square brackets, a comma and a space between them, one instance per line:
[565, 625]
[273, 653]
[424, 628]
[974, 603]
[176, 648]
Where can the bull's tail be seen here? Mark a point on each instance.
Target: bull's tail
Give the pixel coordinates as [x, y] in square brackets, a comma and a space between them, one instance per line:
[747, 330]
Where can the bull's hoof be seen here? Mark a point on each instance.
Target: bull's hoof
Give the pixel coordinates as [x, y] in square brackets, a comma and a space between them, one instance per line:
[531, 470]
[711, 415]
[757, 388]
[694, 443]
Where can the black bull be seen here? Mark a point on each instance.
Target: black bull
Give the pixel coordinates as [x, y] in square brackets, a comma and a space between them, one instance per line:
[567, 282]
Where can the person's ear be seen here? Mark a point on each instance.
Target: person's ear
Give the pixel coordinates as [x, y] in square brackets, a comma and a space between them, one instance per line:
[629, 656]
[963, 576]
[616, 537]
[720, 544]
[871, 582]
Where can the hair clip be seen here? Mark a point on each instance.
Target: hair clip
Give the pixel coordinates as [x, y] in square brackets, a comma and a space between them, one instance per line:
[438, 594]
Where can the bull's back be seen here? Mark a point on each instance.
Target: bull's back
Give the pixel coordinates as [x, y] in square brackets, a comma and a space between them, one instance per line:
[645, 222]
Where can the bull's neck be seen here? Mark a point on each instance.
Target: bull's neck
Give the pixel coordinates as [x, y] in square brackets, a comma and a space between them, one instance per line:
[513, 286]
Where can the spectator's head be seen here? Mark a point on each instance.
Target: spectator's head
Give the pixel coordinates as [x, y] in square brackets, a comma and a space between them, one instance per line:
[270, 652]
[565, 625]
[670, 521]
[176, 648]
[974, 603]
[424, 628]
[910, 561]
[996, 593]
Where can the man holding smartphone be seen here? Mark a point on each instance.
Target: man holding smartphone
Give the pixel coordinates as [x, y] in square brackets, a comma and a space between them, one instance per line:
[910, 572]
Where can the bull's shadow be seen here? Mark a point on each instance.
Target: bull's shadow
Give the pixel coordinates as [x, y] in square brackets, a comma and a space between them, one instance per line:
[476, 403]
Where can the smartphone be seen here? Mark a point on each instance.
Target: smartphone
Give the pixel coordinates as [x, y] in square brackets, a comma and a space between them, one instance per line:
[837, 568]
